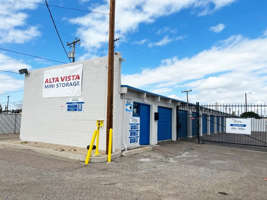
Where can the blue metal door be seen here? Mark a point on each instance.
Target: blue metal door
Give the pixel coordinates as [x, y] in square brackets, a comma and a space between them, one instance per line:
[194, 123]
[182, 124]
[218, 124]
[144, 124]
[143, 111]
[211, 124]
[204, 124]
[164, 124]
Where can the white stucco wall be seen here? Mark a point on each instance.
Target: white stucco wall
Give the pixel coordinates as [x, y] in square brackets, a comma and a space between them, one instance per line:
[47, 119]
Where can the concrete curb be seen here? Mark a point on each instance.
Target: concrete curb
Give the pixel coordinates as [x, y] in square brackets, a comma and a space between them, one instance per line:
[79, 157]
[137, 151]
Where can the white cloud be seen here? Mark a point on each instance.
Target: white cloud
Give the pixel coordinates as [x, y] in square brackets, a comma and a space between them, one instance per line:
[222, 73]
[166, 30]
[265, 33]
[161, 90]
[13, 27]
[218, 28]
[221, 3]
[165, 40]
[9, 64]
[162, 42]
[19, 36]
[210, 6]
[9, 83]
[141, 42]
[93, 28]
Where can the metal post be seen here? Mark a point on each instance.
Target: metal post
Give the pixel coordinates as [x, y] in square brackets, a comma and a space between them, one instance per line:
[198, 121]
[7, 104]
[15, 126]
[110, 71]
[246, 102]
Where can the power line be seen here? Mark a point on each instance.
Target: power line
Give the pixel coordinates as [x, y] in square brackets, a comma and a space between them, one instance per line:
[30, 55]
[59, 37]
[6, 71]
[78, 9]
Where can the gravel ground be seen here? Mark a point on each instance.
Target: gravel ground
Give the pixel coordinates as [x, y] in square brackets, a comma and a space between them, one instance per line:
[171, 171]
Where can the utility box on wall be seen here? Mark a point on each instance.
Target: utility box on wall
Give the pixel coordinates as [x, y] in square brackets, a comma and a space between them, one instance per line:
[156, 116]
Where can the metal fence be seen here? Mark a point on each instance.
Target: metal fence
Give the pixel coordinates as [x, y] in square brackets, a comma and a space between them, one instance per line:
[238, 109]
[258, 115]
[207, 123]
[10, 123]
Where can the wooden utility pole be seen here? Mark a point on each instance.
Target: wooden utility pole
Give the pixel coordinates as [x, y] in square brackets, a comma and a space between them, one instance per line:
[110, 70]
[73, 45]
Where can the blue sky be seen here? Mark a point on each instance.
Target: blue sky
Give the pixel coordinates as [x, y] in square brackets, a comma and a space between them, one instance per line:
[217, 48]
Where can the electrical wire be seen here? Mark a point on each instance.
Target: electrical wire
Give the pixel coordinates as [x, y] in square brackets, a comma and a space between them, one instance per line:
[6, 71]
[78, 9]
[30, 55]
[59, 37]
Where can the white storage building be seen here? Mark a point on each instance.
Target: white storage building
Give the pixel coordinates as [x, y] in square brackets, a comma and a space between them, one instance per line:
[62, 103]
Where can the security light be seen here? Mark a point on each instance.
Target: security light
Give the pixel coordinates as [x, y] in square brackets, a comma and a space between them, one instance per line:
[24, 71]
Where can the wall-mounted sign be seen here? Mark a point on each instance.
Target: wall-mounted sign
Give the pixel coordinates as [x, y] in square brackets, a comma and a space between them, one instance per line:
[75, 106]
[238, 126]
[63, 82]
[134, 130]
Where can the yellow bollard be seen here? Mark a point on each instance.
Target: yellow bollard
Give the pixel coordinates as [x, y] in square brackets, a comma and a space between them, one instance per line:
[110, 145]
[90, 148]
[99, 124]
[97, 142]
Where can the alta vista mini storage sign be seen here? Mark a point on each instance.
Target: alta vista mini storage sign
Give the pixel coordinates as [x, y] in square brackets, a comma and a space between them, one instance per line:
[63, 82]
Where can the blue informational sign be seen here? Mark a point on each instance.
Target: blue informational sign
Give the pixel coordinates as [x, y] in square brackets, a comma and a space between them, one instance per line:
[134, 130]
[75, 106]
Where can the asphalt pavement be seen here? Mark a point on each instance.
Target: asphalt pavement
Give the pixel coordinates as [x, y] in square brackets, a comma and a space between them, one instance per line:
[171, 171]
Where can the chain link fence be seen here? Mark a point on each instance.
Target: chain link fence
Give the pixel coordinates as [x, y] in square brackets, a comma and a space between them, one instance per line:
[10, 123]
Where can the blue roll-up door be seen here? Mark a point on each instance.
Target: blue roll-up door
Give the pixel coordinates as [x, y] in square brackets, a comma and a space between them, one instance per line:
[204, 124]
[194, 124]
[218, 124]
[182, 124]
[211, 124]
[164, 124]
[143, 111]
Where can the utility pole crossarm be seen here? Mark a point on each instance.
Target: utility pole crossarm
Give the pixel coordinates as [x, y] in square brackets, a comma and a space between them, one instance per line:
[187, 91]
[73, 46]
